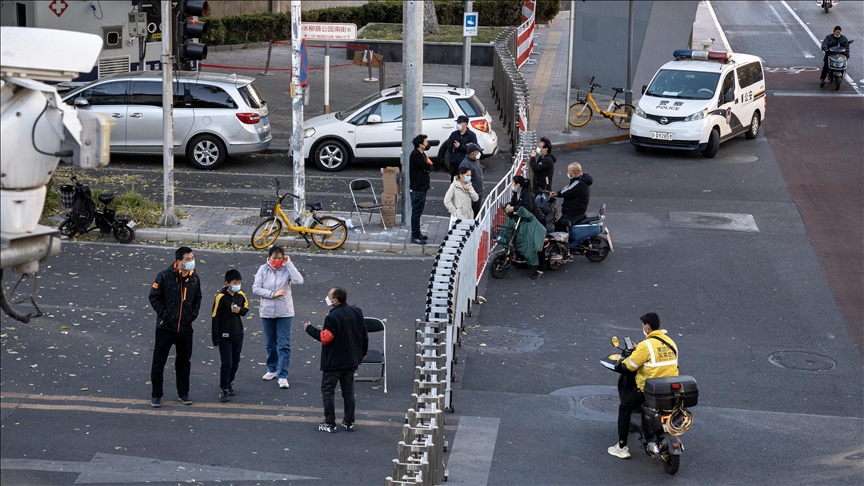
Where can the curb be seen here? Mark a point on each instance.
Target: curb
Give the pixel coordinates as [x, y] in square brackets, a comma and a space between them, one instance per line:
[597, 141]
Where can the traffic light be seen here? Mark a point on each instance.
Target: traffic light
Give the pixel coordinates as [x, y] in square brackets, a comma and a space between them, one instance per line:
[192, 28]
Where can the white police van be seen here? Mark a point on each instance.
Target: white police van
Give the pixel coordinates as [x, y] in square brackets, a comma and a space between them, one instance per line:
[699, 100]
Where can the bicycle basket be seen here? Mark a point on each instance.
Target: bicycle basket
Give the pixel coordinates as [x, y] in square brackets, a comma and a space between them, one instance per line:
[67, 195]
[268, 208]
[581, 96]
[505, 233]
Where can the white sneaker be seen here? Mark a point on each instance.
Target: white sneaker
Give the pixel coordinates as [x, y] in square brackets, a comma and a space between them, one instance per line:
[268, 376]
[618, 451]
[283, 383]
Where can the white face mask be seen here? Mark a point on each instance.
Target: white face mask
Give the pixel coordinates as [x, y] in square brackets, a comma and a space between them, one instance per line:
[644, 332]
[836, 36]
[328, 301]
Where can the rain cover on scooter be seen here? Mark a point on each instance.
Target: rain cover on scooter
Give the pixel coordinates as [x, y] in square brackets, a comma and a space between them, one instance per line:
[83, 209]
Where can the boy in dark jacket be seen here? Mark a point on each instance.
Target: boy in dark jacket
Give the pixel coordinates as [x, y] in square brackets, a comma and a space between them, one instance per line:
[344, 343]
[228, 309]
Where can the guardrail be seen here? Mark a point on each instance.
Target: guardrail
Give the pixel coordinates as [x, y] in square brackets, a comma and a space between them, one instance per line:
[509, 88]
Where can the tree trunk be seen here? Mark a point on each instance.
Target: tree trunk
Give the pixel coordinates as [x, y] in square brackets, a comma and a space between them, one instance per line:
[430, 19]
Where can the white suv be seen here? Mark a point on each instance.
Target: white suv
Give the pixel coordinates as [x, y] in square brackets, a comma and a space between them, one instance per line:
[372, 128]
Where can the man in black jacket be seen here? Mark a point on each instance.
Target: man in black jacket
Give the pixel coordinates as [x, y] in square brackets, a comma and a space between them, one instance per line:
[832, 40]
[419, 167]
[344, 343]
[457, 145]
[543, 166]
[576, 196]
[176, 297]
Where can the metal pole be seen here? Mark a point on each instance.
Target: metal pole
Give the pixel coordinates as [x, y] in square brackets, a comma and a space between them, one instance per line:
[628, 93]
[267, 64]
[412, 91]
[466, 51]
[326, 78]
[570, 66]
[168, 217]
[297, 112]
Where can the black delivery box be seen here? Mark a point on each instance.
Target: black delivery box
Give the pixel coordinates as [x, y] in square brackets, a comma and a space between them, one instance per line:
[663, 393]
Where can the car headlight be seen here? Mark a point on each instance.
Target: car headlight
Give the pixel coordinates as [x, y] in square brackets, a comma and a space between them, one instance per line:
[308, 132]
[697, 116]
[640, 112]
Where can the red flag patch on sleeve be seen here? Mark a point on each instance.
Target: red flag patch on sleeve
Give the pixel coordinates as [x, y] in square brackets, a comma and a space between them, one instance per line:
[155, 285]
[326, 337]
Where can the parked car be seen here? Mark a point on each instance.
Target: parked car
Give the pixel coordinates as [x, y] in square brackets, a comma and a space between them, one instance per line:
[372, 128]
[215, 115]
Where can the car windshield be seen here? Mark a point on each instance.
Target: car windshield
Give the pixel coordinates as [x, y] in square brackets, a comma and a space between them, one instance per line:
[341, 115]
[687, 85]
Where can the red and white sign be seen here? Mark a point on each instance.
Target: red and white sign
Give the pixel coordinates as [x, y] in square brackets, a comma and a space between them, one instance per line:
[317, 31]
[525, 41]
[58, 7]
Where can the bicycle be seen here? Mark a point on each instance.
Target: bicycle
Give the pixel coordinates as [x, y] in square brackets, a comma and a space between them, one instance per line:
[327, 232]
[580, 112]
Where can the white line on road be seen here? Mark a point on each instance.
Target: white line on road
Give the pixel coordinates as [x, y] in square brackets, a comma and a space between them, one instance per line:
[806, 94]
[786, 26]
[717, 24]
[819, 43]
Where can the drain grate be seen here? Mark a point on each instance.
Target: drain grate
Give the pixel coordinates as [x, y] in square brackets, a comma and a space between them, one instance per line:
[503, 339]
[801, 360]
[714, 221]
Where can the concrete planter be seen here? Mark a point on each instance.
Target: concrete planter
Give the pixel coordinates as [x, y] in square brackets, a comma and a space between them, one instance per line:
[433, 52]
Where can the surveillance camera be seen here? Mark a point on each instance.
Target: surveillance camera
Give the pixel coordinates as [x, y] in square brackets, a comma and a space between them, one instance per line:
[47, 54]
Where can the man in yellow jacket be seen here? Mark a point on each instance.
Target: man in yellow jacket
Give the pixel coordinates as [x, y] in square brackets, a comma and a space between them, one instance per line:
[655, 357]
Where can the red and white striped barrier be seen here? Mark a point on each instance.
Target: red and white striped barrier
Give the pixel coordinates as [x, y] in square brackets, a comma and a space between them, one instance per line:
[525, 41]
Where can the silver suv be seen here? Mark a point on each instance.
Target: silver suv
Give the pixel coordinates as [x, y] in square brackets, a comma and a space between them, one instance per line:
[215, 115]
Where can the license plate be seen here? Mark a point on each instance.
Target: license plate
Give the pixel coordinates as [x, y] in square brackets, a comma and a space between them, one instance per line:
[130, 224]
[661, 136]
[266, 121]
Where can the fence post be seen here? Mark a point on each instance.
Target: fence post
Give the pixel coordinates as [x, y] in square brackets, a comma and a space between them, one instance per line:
[267, 66]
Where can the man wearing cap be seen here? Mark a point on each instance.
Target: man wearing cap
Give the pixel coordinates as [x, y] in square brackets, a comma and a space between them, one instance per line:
[472, 162]
[456, 144]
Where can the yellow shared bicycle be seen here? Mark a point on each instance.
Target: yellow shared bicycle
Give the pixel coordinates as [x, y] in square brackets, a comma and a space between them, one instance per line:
[327, 232]
[580, 112]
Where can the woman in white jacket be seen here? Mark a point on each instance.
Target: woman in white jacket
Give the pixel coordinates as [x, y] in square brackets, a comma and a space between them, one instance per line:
[460, 195]
[273, 284]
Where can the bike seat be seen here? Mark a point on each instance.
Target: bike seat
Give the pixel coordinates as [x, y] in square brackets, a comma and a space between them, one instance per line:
[589, 220]
[314, 207]
[618, 90]
[106, 198]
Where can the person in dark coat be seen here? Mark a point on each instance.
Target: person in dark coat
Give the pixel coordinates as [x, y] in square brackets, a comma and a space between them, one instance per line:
[522, 197]
[457, 144]
[543, 165]
[229, 307]
[344, 343]
[419, 167]
[832, 40]
[576, 196]
[472, 163]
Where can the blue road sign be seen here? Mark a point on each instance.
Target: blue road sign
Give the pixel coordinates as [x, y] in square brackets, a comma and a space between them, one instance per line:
[469, 25]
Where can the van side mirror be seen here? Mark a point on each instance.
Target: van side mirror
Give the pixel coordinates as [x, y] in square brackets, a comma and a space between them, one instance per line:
[728, 97]
[644, 88]
[373, 119]
[81, 102]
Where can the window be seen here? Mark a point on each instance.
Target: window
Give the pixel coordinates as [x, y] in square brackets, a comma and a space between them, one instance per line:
[106, 93]
[435, 108]
[251, 96]
[207, 96]
[389, 110]
[147, 93]
[749, 74]
[728, 85]
[471, 106]
[688, 85]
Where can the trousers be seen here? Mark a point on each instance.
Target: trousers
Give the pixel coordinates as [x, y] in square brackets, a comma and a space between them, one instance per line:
[631, 400]
[277, 341]
[345, 379]
[229, 354]
[182, 341]
[418, 204]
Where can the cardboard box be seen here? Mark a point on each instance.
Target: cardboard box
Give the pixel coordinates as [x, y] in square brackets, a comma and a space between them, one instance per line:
[391, 179]
[389, 215]
[389, 200]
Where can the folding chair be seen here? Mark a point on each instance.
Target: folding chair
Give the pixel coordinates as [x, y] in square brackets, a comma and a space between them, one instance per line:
[358, 185]
[376, 357]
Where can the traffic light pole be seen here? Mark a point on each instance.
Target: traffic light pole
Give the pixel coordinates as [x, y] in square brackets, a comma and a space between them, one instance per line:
[412, 92]
[297, 112]
[168, 217]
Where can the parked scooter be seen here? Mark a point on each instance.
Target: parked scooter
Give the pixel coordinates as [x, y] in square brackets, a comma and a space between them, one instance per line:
[837, 59]
[826, 4]
[590, 238]
[79, 198]
[663, 417]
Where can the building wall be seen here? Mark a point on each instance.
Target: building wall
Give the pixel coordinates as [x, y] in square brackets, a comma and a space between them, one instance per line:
[226, 8]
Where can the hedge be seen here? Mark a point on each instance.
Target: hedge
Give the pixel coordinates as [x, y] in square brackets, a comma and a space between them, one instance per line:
[243, 29]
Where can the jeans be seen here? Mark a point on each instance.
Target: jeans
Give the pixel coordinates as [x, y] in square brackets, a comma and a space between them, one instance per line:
[229, 352]
[631, 400]
[418, 203]
[182, 364]
[277, 338]
[345, 378]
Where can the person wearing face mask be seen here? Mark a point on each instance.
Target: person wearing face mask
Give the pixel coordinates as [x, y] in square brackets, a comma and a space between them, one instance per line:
[543, 165]
[227, 330]
[175, 295]
[655, 357]
[419, 167]
[832, 40]
[461, 195]
[273, 284]
[472, 163]
[576, 196]
[457, 145]
[530, 234]
[344, 343]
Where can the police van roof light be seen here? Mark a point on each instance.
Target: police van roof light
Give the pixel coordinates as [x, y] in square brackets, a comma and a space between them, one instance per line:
[684, 54]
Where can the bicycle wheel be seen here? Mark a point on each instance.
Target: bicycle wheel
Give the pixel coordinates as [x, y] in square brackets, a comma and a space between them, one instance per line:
[622, 115]
[339, 233]
[580, 114]
[266, 233]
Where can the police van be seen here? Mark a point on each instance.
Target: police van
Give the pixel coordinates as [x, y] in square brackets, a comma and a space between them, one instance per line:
[699, 100]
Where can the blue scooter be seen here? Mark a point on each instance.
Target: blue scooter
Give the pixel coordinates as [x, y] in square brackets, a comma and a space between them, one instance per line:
[591, 237]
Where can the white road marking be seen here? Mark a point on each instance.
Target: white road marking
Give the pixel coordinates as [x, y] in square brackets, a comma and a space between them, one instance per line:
[717, 24]
[819, 44]
[786, 26]
[813, 94]
[473, 447]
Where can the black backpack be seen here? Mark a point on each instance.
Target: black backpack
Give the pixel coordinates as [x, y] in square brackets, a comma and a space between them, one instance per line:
[546, 211]
[83, 209]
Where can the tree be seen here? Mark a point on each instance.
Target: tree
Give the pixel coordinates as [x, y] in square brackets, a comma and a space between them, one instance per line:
[430, 18]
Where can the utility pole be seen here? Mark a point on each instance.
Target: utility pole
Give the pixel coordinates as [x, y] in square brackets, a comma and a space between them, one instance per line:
[628, 93]
[326, 78]
[466, 51]
[570, 66]
[168, 217]
[412, 91]
[297, 112]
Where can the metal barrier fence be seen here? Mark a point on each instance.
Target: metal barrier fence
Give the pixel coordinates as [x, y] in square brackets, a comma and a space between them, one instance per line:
[509, 88]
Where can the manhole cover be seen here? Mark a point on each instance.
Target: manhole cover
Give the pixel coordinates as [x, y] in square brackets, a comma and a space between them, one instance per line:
[801, 360]
[601, 403]
[503, 339]
[704, 220]
[591, 402]
[740, 159]
[248, 221]
[714, 221]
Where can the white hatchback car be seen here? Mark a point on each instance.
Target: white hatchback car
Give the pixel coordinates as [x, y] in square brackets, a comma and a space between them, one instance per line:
[372, 128]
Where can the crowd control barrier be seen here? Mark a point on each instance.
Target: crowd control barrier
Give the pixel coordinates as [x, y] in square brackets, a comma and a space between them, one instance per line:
[509, 88]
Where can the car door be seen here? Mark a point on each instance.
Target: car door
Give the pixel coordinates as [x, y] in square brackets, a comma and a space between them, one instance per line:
[144, 125]
[750, 93]
[437, 123]
[725, 104]
[108, 98]
[380, 134]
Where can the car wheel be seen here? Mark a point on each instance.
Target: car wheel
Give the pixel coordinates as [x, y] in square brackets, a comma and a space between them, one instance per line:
[753, 131]
[330, 156]
[713, 145]
[206, 152]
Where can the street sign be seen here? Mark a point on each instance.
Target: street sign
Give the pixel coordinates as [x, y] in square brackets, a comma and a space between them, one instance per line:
[469, 25]
[318, 31]
[304, 63]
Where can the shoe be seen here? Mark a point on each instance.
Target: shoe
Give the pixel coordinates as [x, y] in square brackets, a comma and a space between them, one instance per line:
[537, 274]
[821, 83]
[329, 428]
[419, 241]
[231, 390]
[156, 402]
[185, 400]
[268, 376]
[349, 426]
[283, 382]
[223, 396]
[618, 451]
[423, 237]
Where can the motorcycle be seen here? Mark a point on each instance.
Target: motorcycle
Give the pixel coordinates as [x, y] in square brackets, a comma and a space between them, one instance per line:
[663, 417]
[837, 59]
[826, 4]
[83, 214]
